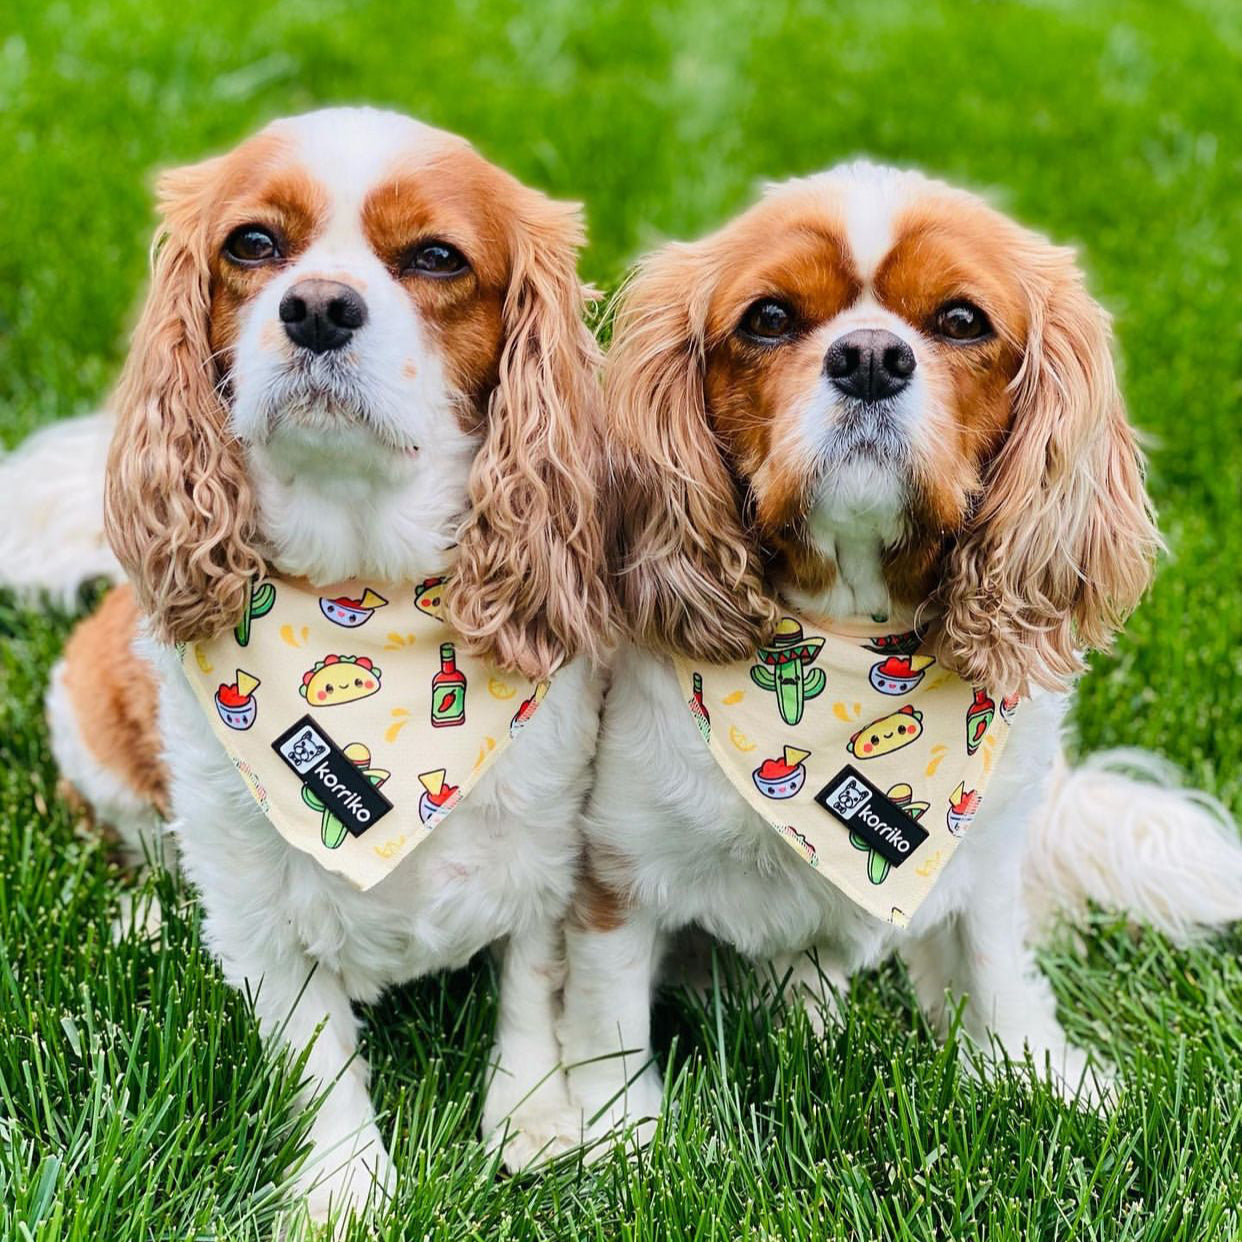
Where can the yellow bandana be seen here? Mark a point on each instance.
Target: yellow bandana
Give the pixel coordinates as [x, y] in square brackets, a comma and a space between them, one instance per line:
[353, 716]
[861, 751]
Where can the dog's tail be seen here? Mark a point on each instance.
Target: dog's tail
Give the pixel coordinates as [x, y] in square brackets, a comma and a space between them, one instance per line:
[1121, 831]
[51, 510]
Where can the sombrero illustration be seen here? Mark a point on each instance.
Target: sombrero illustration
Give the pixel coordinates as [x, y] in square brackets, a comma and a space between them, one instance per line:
[789, 643]
[895, 644]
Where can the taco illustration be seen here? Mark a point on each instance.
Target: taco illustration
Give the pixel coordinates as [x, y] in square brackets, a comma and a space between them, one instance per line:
[1008, 706]
[783, 777]
[429, 597]
[438, 796]
[351, 613]
[978, 717]
[236, 703]
[878, 866]
[785, 668]
[963, 806]
[899, 674]
[338, 679]
[331, 831]
[889, 733]
[895, 644]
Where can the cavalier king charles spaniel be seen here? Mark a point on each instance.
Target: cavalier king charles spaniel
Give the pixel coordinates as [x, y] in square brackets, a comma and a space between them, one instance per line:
[362, 355]
[870, 396]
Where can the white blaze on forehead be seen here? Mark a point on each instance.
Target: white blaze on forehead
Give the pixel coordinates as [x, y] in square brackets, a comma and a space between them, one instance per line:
[350, 151]
[869, 198]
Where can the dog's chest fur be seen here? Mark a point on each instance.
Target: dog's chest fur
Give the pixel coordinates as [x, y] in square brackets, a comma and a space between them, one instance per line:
[694, 852]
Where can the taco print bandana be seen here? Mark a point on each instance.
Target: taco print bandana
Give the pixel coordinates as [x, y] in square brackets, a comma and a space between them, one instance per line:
[867, 756]
[353, 716]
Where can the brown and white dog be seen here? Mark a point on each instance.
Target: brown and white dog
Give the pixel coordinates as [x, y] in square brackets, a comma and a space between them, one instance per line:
[362, 356]
[869, 396]
[979, 473]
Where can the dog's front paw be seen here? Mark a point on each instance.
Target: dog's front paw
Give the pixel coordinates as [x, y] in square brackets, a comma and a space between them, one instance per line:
[628, 1114]
[528, 1117]
[347, 1181]
[531, 1137]
[1075, 1077]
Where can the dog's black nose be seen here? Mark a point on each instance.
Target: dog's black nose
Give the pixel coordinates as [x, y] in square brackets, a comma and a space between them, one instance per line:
[322, 314]
[869, 364]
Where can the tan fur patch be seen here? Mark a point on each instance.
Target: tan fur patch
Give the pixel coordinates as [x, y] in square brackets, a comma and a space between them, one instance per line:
[114, 697]
[597, 906]
[464, 201]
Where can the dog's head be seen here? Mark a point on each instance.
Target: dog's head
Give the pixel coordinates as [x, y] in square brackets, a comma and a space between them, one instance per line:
[363, 355]
[870, 364]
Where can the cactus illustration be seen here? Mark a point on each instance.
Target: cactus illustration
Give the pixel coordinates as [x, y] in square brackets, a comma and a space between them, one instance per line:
[785, 669]
[331, 830]
[259, 601]
[877, 865]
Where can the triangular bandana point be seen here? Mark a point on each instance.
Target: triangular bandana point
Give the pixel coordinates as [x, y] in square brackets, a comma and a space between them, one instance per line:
[309, 721]
[852, 794]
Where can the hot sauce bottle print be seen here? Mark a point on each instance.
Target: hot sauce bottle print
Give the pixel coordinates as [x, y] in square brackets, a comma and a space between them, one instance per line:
[448, 691]
[698, 709]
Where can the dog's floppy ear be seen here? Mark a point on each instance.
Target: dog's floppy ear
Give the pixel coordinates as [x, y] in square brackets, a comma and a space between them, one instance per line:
[1061, 547]
[691, 577]
[529, 587]
[178, 507]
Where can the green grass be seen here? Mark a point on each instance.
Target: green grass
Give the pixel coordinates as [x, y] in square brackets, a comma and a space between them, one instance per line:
[135, 1100]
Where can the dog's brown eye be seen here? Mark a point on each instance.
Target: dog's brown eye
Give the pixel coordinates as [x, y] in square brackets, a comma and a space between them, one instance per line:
[437, 258]
[251, 245]
[768, 320]
[962, 321]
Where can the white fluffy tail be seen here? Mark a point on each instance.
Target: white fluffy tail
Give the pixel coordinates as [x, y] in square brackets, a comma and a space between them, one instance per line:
[1121, 831]
[51, 510]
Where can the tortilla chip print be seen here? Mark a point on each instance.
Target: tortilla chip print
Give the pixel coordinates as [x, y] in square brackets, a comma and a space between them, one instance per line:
[963, 806]
[783, 777]
[438, 798]
[235, 700]
[899, 674]
[350, 613]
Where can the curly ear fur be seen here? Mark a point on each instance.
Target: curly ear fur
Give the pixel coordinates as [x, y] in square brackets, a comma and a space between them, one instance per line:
[529, 587]
[177, 504]
[1061, 548]
[691, 578]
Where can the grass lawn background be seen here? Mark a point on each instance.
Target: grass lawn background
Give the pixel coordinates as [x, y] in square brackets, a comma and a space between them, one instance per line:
[135, 1101]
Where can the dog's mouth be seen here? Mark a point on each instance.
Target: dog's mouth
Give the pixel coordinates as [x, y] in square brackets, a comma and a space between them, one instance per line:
[866, 430]
[327, 398]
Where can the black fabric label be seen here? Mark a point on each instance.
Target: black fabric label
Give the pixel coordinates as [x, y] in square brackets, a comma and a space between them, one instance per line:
[328, 772]
[864, 810]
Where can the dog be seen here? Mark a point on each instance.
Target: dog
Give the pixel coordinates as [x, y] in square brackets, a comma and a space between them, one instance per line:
[871, 396]
[362, 357]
